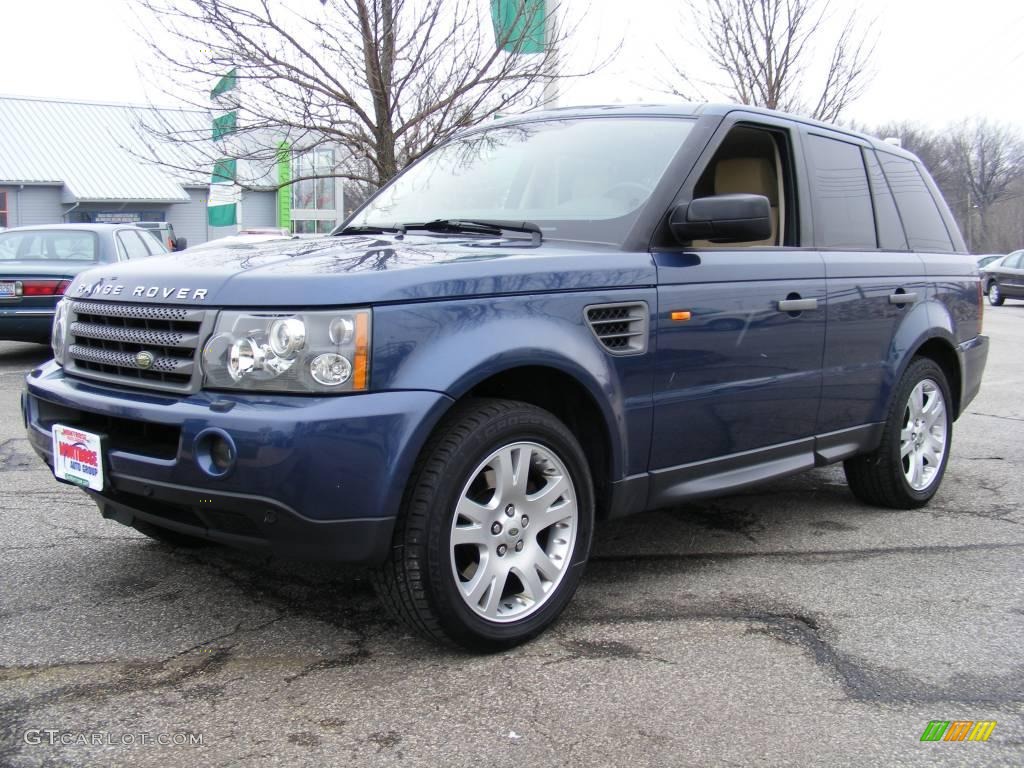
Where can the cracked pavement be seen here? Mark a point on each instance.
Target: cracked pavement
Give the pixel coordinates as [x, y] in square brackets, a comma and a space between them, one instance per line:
[786, 626]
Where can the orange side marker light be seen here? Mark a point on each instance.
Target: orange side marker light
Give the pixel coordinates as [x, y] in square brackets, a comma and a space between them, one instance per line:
[681, 316]
[361, 371]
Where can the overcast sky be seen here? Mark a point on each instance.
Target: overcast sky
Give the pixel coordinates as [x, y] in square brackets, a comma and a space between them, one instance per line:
[936, 60]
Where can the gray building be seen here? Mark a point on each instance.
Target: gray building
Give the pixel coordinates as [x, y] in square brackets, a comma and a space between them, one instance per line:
[67, 161]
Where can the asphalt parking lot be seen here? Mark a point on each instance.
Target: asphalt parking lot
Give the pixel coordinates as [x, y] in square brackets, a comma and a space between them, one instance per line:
[792, 626]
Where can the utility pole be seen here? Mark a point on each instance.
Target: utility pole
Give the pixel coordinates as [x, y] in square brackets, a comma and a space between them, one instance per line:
[549, 97]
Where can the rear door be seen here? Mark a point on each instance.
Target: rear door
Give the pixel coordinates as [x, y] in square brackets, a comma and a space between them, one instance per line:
[738, 375]
[874, 280]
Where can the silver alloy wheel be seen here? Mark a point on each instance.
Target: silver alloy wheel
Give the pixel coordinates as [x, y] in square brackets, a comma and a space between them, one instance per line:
[923, 436]
[513, 532]
[993, 293]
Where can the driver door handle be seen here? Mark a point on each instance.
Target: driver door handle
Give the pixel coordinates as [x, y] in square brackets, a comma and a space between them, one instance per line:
[902, 298]
[797, 305]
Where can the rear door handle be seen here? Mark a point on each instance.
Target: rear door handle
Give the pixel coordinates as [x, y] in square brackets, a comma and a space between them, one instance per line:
[902, 298]
[797, 305]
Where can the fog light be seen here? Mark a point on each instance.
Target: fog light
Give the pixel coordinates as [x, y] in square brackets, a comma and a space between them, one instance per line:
[330, 369]
[222, 455]
[215, 452]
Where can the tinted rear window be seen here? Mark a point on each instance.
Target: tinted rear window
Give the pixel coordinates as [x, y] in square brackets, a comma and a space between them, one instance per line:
[49, 245]
[921, 218]
[842, 204]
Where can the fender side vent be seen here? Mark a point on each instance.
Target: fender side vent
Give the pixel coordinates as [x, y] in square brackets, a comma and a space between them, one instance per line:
[621, 328]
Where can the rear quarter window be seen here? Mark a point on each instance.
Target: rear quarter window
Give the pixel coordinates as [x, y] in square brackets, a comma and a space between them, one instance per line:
[891, 236]
[921, 218]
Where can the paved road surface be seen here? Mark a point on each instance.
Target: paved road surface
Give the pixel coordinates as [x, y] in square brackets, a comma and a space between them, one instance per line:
[792, 626]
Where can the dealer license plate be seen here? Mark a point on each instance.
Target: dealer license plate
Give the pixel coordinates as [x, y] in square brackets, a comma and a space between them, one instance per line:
[8, 290]
[77, 457]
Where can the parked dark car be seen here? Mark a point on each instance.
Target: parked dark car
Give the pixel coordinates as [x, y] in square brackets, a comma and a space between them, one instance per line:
[984, 261]
[1004, 279]
[37, 264]
[164, 232]
[544, 322]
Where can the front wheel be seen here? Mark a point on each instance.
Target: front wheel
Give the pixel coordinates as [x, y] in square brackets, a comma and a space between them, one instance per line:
[995, 295]
[907, 468]
[495, 528]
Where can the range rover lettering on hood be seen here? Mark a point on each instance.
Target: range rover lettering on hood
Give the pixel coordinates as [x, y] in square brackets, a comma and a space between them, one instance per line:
[143, 291]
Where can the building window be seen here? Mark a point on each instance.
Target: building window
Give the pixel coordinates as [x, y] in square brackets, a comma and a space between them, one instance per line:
[314, 201]
[3, 209]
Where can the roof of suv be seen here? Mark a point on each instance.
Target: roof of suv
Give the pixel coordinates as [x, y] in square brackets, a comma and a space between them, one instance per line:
[686, 109]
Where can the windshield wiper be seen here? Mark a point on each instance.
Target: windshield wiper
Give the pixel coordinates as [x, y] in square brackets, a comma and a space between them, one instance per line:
[371, 230]
[481, 226]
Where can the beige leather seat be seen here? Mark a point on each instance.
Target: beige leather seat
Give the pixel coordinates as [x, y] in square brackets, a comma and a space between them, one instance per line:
[753, 176]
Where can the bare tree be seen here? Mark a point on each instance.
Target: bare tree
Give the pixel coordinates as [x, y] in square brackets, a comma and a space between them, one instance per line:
[386, 80]
[765, 49]
[979, 168]
[990, 158]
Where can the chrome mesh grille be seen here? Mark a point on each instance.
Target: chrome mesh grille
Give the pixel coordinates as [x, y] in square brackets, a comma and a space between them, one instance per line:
[106, 338]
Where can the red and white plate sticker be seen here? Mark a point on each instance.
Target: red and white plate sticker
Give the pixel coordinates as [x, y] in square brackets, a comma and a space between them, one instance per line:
[77, 457]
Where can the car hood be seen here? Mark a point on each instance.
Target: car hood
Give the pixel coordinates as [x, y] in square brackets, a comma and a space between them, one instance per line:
[357, 269]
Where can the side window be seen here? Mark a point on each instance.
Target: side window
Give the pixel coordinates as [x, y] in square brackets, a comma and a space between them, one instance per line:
[921, 218]
[133, 246]
[891, 236]
[843, 217]
[153, 244]
[754, 161]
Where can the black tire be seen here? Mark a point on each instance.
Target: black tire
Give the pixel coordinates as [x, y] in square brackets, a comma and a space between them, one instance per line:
[417, 584]
[995, 295]
[878, 478]
[169, 537]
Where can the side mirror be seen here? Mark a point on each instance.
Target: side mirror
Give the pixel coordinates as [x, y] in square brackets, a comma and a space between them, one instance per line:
[180, 244]
[723, 219]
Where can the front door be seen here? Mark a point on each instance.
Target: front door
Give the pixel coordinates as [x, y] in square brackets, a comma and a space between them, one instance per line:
[740, 331]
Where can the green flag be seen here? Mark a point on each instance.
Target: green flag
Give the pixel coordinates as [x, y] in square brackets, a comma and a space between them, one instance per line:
[519, 25]
[222, 208]
[225, 84]
[224, 125]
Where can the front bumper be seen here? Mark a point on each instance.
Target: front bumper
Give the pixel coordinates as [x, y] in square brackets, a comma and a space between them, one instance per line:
[314, 478]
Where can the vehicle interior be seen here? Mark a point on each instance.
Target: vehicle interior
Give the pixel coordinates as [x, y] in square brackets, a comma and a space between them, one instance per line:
[748, 161]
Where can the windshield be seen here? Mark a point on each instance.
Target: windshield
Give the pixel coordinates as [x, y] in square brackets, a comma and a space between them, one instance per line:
[581, 179]
[49, 244]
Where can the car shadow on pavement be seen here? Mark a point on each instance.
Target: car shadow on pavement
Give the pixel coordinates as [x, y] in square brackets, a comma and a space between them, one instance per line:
[18, 354]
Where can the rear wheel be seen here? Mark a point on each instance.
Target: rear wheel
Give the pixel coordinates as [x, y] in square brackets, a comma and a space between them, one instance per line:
[907, 468]
[495, 528]
[995, 295]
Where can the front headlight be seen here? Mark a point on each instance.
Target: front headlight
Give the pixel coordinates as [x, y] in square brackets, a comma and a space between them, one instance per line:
[297, 352]
[59, 332]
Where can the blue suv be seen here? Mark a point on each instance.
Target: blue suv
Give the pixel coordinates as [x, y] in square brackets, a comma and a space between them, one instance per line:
[545, 322]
